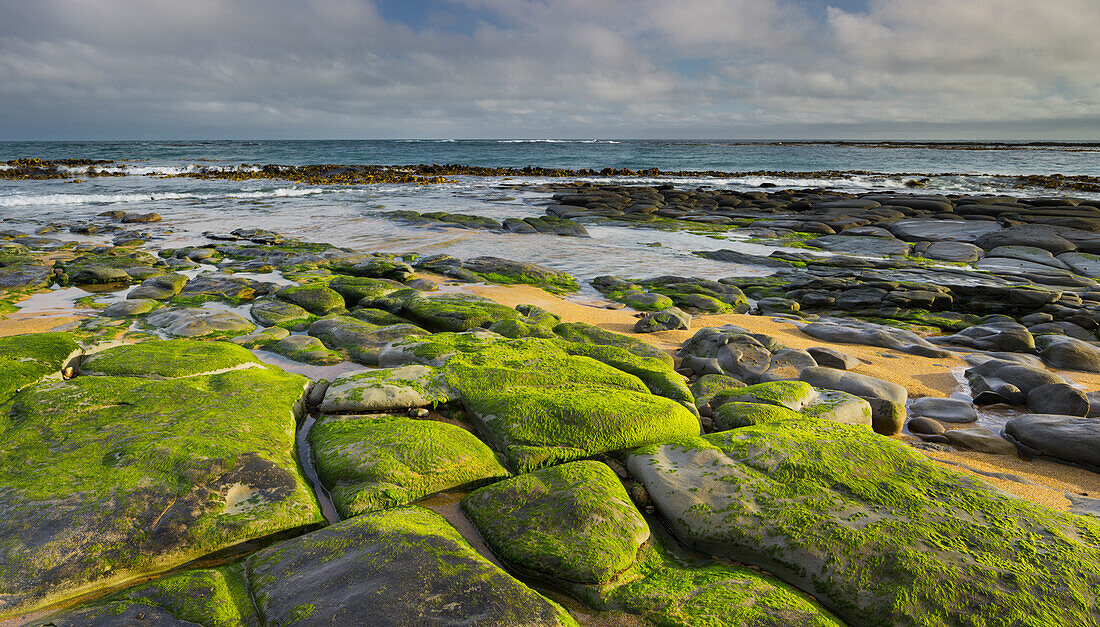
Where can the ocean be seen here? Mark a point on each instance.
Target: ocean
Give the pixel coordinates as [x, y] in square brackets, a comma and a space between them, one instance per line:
[351, 215]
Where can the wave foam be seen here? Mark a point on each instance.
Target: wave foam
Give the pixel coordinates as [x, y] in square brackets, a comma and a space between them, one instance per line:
[81, 199]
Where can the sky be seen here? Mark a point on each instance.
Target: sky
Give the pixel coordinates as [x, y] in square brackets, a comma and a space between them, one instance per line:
[363, 69]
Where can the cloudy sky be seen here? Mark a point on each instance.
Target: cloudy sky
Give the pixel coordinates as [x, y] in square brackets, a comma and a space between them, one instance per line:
[130, 69]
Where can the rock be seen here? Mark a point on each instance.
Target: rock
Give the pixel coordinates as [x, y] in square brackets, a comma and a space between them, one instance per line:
[924, 426]
[847, 409]
[315, 299]
[863, 246]
[369, 463]
[573, 522]
[169, 359]
[958, 252]
[145, 473]
[426, 570]
[127, 308]
[1038, 273]
[454, 312]
[361, 341]
[27, 359]
[783, 496]
[1034, 235]
[737, 414]
[1068, 439]
[354, 289]
[306, 349]
[709, 386]
[994, 335]
[1067, 353]
[376, 268]
[829, 358]
[161, 287]
[218, 287]
[942, 230]
[1058, 398]
[99, 275]
[261, 339]
[506, 271]
[793, 395]
[787, 364]
[669, 319]
[192, 322]
[1084, 264]
[887, 417]
[855, 332]
[980, 439]
[388, 389]
[771, 306]
[272, 312]
[540, 405]
[944, 409]
[140, 218]
[853, 383]
[581, 333]
[1029, 254]
[647, 301]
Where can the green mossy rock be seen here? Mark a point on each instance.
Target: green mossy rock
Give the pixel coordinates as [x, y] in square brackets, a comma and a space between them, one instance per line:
[199, 322]
[216, 597]
[219, 287]
[316, 299]
[261, 339]
[355, 289]
[272, 312]
[159, 287]
[307, 350]
[104, 479]
[658, 375]
[117, 265]
[572, 522]
[169, 359]
[793, 395]
[707, 387]
[455, 312]
[361, 341]
[405, 566]
[508, 272]
[735, 415]
[27, 359]
[378, 462]
[582, 333]
[666, 591]
[378, 317]
[873, 529]
[387, 389]
[538, 404]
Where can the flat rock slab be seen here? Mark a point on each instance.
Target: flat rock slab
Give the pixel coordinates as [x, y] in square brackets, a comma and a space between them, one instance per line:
[169, 359]
[144, 474]
[942, 230]
[190, 322]
[869, 334]
[944, 409]
[1084, 264]
[1066, 438]
[1068, 353]
[833, 509]
[361, 341]
[376, 462]
[27, 359]
[959, 252]
[387, 389]
[864, 246]
[399, 567]
[980, 439]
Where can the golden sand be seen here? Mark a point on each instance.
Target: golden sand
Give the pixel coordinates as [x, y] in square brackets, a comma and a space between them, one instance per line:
[18, 324]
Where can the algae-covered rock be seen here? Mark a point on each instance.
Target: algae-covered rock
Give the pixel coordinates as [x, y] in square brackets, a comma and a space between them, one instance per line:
[218, 597]
[793, 395]
[261, 339]
[736, 414]
[159, 287]
[360, 341]
[143, 475]
[506, 271]
[27, 359]
[873, 529]
[707, 387]
[582, 333]
[216, 286]
[387, 389]
[272, 312]
[307, 350]
[572, 522]
[190, 322]
[657, 374]
[316, 299]
[398, 567]
[455, 312]
[169, 359]
[377, 462]
[355, 289]
[540, 405]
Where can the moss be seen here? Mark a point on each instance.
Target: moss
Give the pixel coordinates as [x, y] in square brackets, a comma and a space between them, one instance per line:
[456, 312]
[558, 284]
[572, 522]
[143, 475]
[707, 387]
[307, 350]
[581, 333]
[735, 415]
[25, 359]
[378, 317]
[658, 375]
[372, 463]
[875, 530]
[168, 359]
[355, 289]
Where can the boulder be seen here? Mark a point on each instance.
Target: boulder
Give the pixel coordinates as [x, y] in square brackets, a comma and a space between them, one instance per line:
[944, 409]
[857, 332]
[306, 349]
[272, 312]
[994, 335]
[1067, 353]
[1058, 398]
[1068, 439]
[980, 439]
[830, 358]
[27, 359]
[199, 322]
[316, 299]
[387, 389]
[669, 319]
[361, 341]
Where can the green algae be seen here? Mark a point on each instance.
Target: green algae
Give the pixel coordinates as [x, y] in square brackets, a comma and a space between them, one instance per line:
[793, 395]
[387, 389]
[26, 359]
[738, 414]
[379, 462]
[168, 359]
[873, 529]
[572, 522]
[707, 387]
[581, 333]
[145, 474]
[315, 299]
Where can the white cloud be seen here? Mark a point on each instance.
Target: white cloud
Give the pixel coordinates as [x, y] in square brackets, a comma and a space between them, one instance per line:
[543, 67]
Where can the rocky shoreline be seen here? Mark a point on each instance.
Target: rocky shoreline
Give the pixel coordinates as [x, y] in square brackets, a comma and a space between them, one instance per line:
[896, 427]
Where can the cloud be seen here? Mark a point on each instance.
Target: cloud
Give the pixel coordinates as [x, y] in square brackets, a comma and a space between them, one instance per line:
[523, 68]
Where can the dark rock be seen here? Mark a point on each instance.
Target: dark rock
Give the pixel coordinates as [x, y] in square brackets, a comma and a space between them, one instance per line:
[1067, 353]
[924, 426]
[829, 358]
[1058, 398]
[1065, 438]
[665, 320]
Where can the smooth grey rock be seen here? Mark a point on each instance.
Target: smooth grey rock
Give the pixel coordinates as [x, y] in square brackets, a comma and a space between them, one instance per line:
[1066, 438]
[866, 246]
[996, 335]
[669, 319]
[942, 230]
[159, 287]
[198, 322]
[1038, 236]
[1082, 263]
[1058, 398]
[980, 439]
[854, 383]
[1067, 353]
[959, 252]
[856, 332]
[129, 308]
[1029, 254]
[944, 409]
[924, 426]
[830, 358]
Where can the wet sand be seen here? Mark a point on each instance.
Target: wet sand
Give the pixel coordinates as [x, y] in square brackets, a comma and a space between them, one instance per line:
[18, 324]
